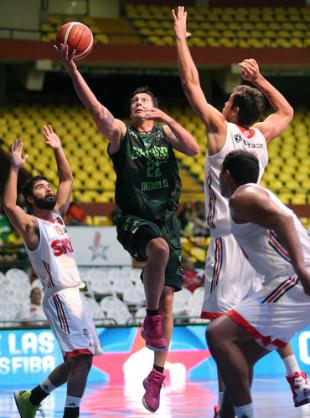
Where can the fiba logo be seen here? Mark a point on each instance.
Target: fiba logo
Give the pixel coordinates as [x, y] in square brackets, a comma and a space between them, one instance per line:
[238, 137]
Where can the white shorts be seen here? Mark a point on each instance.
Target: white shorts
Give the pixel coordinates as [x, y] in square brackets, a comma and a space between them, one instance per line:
[275, 313]
[229, 277]
[71, 323]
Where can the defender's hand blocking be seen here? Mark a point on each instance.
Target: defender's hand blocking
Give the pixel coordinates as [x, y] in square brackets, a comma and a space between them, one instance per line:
[17, 158]
[179, 19]
[51, 138]
[249, 69]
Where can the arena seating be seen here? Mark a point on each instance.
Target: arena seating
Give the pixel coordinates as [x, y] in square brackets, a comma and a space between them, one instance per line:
[105, 30]
[119, 305]
[256, 27]
[287, 173]
[228, 27]
[85, 147]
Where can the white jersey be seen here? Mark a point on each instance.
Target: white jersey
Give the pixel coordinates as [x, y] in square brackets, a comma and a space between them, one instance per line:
[264, 249]
[237, 138]
[53, 260]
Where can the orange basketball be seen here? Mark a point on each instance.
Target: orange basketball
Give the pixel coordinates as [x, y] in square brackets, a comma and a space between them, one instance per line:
[77, 36]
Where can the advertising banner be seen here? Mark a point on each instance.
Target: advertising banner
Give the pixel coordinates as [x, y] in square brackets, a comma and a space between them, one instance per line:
[28, 356]
[97, 246]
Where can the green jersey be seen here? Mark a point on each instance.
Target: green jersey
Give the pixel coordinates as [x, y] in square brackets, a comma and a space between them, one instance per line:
[148, 184]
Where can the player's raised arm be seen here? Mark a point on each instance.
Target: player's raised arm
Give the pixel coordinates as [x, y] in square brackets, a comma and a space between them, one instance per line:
[179, 137]
[255, 206]
[113, 129]
[21, 221]
[283, 112]
[212, 118]
[64, 171]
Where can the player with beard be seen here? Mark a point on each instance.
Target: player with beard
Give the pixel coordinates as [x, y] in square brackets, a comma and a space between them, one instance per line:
[52, 257]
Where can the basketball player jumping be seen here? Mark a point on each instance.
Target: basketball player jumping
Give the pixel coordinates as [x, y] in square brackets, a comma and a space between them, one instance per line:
[147, 193]
[52, 258]
[229, 277]
[278, 248]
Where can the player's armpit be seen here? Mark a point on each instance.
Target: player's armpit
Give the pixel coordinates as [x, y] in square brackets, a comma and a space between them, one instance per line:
[273, 126]
[20, 220]
[112, 129]
[252, 205]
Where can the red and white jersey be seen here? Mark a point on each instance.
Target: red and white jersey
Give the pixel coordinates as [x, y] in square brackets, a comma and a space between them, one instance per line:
[53, 260]
[264, 249]
[237, 138]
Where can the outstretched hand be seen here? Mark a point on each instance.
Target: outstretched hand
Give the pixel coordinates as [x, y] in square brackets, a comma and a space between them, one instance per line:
[66, 56]
[249, 69]
[156, 115]
[17, 158]
[51, 138]
[179, 19]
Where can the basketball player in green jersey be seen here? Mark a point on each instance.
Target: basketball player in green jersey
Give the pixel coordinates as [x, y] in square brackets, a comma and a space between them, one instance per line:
[147, 193]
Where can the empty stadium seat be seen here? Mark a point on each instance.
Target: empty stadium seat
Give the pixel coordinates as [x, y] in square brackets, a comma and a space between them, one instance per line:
[288, 168]
[247, 24]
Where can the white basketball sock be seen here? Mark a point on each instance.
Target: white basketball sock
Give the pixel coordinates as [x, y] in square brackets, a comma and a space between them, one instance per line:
[244, 411]
[72, 402]
[291, 364]
[47, 386]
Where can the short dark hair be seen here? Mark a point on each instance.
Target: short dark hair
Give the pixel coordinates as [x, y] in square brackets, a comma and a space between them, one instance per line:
[146, 90]
[251, 103]
[27, 188]
[242, 165]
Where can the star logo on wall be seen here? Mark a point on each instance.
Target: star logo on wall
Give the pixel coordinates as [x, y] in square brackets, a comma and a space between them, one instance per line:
[97, 249]
[112, 363]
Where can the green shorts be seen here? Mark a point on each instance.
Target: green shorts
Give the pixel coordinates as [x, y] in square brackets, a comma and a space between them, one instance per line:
[134, 233]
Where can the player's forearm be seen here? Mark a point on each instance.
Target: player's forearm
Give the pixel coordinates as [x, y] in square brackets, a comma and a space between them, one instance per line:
[188, 71]
[185, 139]
[10, 189]
[83, 91]
[275, 98]
[63, 167]
[101, 115]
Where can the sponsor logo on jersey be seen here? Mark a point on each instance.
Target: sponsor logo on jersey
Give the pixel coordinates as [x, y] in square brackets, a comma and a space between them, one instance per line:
[253, 145]
[154, 185]
[61, 246]
[238, 137]
[155, 151]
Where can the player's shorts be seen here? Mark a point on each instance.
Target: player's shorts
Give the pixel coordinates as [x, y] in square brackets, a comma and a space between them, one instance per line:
[73, 327]
[134, 233]
[229, 277]
[274, 314]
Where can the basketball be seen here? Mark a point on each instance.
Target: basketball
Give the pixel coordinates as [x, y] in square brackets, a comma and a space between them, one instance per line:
[77, 36]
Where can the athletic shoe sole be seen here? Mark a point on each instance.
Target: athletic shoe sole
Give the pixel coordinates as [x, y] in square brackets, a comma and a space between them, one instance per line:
[16, 401]
[304, 402]
[146, 406]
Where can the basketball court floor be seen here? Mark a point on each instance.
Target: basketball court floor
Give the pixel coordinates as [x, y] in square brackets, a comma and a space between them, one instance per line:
[272, 398]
